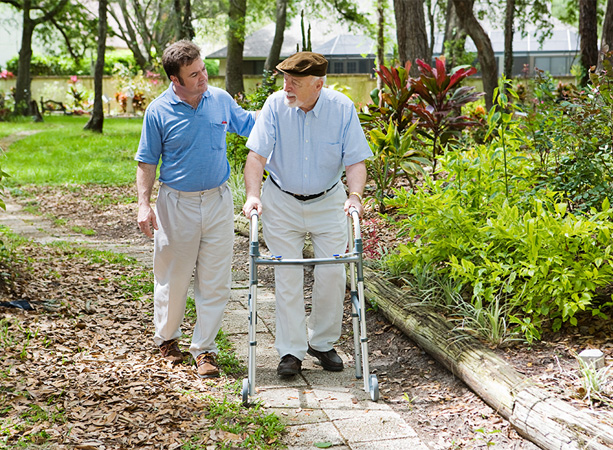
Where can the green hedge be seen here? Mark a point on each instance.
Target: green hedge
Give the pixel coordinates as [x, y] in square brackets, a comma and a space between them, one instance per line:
[62, 65]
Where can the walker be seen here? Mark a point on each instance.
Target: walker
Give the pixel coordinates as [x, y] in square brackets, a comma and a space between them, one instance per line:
[354, 259]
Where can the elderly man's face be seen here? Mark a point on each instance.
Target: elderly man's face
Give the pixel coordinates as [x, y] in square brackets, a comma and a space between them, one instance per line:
[301, 92]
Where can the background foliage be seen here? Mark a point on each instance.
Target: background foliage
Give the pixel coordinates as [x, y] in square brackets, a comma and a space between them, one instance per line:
[518, 220]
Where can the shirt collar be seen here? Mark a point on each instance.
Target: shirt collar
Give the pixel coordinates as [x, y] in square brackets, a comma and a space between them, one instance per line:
[175, 100]
[317, 108]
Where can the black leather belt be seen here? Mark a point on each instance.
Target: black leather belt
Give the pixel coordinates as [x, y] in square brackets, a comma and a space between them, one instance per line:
[303, 198]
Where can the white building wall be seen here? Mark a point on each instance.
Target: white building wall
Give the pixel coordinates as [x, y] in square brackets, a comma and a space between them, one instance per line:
[10, 33]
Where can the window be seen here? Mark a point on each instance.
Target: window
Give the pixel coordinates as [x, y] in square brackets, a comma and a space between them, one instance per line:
[352, 67]
[518, 65]
[542, 63]
[365, 65]
[559, 65]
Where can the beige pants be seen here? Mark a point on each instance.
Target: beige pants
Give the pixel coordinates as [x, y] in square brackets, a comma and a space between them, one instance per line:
[285, 224]
[195, 236]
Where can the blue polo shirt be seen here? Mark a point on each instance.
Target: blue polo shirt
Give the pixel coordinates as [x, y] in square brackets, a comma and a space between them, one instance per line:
[191, 142]
[307, 152]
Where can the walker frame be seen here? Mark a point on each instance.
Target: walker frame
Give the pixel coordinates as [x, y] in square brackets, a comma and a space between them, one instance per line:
[354, 259]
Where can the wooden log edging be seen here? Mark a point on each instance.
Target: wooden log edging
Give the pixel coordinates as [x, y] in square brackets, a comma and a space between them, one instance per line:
[549, 422]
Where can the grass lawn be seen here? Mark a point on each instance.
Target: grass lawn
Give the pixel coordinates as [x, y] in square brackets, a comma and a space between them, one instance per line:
[59, 151]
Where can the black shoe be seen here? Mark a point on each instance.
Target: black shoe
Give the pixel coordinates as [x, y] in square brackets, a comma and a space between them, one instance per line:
[289, 366]
[329, 360]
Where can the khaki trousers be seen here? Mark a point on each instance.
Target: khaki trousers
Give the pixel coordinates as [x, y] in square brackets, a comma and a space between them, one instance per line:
[285, 224]
[195, 236]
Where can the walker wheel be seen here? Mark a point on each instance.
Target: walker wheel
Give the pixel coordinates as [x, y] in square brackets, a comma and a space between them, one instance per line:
[374, 388]
[246, 392]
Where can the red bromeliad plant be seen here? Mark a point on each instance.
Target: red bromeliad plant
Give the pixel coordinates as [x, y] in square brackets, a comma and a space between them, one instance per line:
[390, 126]
[392, 105]
[439, 102]
[429, 106]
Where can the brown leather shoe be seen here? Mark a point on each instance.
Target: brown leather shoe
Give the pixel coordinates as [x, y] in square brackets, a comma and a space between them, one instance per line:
[329, 360]
[289, 366]
[171, 352]
[207, 365]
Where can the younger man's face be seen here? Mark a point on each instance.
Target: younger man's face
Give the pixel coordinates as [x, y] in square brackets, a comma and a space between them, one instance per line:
[192, 80]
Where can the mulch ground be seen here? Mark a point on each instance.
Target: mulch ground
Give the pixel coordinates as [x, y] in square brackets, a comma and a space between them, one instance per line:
[94, 349]
[87, 364]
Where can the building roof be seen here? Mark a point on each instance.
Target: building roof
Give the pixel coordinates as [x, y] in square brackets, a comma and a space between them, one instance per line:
[564, 39]
[347, 44]
[258, 44]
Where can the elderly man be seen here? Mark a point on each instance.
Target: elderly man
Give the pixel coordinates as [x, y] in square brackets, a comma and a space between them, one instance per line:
[186, 128]
[306, 137]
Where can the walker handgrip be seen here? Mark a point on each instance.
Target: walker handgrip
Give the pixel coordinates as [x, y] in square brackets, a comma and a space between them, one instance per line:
[355, 215]
[253, 229]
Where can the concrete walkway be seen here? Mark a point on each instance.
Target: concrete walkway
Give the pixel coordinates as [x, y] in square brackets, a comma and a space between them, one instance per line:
[320, 408]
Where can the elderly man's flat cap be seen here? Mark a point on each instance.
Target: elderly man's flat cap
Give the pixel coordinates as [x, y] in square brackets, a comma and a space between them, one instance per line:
[303, 64]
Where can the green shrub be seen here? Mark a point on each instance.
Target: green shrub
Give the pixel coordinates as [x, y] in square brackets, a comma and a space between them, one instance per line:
[546, 264]
[212, 67]
[570, 131]
[52, 65]
[45, 65]
[125, 59]
[236, 149]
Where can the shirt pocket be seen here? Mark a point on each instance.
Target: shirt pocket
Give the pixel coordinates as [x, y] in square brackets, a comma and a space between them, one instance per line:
[218, 136]
[330, 154]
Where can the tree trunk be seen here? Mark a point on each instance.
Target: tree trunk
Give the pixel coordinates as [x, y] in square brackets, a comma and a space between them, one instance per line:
[431, 27]
[536, 414]
[275, 49]
[183, 14]
[454, 37]
[554, 424]
[186, 25]
[23, 95]
[96, 121]
[381, 38]
[509, 29]
[606, 43]
[128, 34]
[236, 43]
[588, 32]
[489, 68]
[411, 33]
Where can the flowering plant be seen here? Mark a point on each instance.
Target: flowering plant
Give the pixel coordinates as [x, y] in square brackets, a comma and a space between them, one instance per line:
[79, 95]
[5, 105]
[142, 88]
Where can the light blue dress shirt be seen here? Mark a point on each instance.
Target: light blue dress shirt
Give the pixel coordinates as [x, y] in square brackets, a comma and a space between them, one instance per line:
[307, 152]
[191, 142]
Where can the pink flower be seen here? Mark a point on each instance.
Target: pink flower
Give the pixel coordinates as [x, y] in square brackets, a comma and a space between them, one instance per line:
[5, 74]
[74, 79]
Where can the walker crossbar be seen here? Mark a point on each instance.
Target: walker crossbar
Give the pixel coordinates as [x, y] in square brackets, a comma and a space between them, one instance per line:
[279, 261]
[354, 259]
